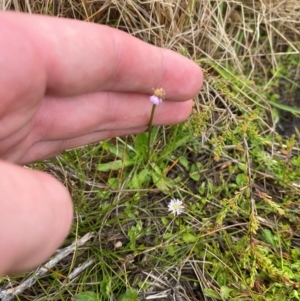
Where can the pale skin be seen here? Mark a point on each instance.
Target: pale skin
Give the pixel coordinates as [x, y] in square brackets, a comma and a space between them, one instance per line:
[64, 84]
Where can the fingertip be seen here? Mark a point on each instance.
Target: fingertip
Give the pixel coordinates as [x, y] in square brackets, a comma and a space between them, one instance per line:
[171, 112]
[185, 110]
[183, 78]
[36, 214]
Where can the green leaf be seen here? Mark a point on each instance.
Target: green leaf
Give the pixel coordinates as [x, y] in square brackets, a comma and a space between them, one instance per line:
[170, 147]
[184, 162]
[129, 295]
[113, 183]
[86, 296]
[296, 295]
[225, 292]
[164, 220]
[117, 151]
[115, 165]
[168, 235]
[171, 250]
[241, 179]
[160, 180]
[269, 237]
[105, 287]
[211, 293]
[194, 171]
[188, 237]
[195, 175]
[140, 144]
[202, 188]
[140, 180]
[144, 176]
[286, 108]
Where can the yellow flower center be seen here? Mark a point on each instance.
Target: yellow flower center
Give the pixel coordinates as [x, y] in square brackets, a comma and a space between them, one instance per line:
[160, 93]
[176, 207]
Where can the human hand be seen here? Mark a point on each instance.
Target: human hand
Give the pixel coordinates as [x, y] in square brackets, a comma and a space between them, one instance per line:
[63, 84]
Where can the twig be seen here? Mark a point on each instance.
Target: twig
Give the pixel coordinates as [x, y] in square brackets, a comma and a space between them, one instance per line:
[11, 293]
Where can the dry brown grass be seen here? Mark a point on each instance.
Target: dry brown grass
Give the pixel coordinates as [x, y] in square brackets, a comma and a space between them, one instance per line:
[220, 30]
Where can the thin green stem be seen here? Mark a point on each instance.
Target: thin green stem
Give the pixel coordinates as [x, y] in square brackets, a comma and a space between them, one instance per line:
[150, 127]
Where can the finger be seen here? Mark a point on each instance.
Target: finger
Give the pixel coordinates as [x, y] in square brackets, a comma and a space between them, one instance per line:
[91, 128]
[82, 115]
[82, 57]
[49, 148]
[36, 213]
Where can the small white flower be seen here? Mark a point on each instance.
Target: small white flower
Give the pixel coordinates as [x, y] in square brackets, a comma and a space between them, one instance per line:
[175, 206]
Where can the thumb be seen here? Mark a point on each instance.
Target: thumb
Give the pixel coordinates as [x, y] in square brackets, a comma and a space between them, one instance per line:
[35, 216]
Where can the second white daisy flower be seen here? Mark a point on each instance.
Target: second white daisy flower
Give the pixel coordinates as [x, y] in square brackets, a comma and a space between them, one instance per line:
[175, 206]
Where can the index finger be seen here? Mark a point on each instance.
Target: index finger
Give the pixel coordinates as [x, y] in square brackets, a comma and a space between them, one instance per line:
[81, 57]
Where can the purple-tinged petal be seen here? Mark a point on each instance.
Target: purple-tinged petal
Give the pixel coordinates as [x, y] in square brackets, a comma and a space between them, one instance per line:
[155, 100]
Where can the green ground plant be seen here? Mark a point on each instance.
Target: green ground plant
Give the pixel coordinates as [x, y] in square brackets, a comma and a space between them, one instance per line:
[239, 180]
